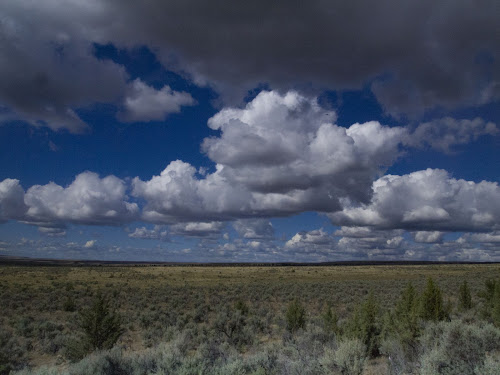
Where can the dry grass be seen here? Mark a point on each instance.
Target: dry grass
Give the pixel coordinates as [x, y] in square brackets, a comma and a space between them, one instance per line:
[140, 292]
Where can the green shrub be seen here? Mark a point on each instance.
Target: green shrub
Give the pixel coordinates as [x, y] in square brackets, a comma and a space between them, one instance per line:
[402, 355]
[101, 327]
[431, 303]
[464, 297]
[232, 325]
[242, 307]
[295, 316]
[330, 321]
[364, 325]
[69, 304]
[406, 314]
[495, 306]
[349, 358]
[456, 348]
[490, 366]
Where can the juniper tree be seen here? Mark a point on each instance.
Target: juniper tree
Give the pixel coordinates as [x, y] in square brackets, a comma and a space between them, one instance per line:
[406, 313]
[330, 320]
[464, 297]
[102, 326]
[431, 303]
[364, 325]
[495, 306]
[488, 295]
[295, 316]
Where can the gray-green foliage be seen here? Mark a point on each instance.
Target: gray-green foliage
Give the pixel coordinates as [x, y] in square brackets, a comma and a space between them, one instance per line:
[295, 316]
[491, 301]
[348, 359]
[232, 325]
[10, 352]
[495, 313]
[100, 326]
[330, 320]
[406, 314]
[490, 366]
[431, 303]
[464, 296]
[451, 348]
[365, 325]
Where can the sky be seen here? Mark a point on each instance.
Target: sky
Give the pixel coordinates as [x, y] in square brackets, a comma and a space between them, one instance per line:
[221, 131]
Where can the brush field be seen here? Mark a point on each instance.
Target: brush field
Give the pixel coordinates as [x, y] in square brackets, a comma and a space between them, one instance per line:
[218, 317]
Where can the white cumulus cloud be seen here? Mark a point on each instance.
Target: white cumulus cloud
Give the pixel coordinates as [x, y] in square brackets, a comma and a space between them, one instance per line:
[198, 229]
[145, 103]
[89, 200]
[254, 228]
[90, 244]
[12, 204]
[428, 200]
[280, 155]
[157, 233]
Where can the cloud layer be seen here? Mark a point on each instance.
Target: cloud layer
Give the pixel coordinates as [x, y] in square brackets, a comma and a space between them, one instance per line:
[423, 55]
[280, 155]
[427, 200]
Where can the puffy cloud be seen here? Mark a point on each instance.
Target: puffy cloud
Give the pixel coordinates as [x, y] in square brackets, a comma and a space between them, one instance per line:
[366, 241]
[90, 244]
[493, 237]
[145, 103]
[283, 142]
[355, 232]
[428, 237]
[254, 228]
[190, 229]
[157, 233]
[485, 238]
[198, 229]
[176, 194]
[428, 200]
[12, 204]
[87, 200]
[52, 231]
[278, 156]
[314, 237]
[447, 132]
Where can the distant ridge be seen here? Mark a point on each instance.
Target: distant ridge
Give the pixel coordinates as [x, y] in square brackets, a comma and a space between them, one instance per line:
[26, 261]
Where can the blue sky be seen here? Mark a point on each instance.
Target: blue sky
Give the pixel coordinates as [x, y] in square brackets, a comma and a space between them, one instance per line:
[242, 133]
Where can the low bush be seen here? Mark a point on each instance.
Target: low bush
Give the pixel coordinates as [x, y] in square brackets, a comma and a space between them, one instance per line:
[456, 348]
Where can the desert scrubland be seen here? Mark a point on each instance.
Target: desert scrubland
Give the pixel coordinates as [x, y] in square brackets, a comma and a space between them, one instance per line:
[372, 319]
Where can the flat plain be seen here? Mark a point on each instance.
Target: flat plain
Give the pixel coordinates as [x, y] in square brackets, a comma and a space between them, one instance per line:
[157, 302]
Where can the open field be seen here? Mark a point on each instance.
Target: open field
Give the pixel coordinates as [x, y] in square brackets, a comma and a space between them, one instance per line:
[162, 304]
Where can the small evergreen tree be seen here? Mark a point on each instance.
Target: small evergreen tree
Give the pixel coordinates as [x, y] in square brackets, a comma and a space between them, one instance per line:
[330, 321]
[490, 295]
[295, 316]
[431, 303]
[69, 304]
[464, 297]
[101, 326]
[495, 309]
[406, 314]
[488, 292]
[241, 306]
[365, 326]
